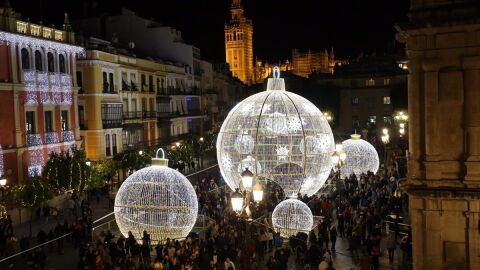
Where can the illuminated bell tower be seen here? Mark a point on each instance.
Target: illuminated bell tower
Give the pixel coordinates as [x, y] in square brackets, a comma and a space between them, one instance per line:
[238, 44]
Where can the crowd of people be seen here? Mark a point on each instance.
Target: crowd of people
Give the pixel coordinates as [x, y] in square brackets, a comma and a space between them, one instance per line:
[355, 210]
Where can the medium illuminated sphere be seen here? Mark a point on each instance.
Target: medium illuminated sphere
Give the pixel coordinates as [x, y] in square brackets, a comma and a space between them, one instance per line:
[361, 157]
[158, 200]
[279, 136]
[291, 217]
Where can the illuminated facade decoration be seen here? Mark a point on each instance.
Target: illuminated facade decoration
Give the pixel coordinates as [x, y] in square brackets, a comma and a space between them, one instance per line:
[304, 64]
[38, 103]
[279, 136]
[291, 217]
[361, 157]
[239, 44]
[158, 200]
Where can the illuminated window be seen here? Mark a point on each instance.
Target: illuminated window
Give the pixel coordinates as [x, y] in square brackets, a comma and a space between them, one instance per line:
[64, 120]
[370, 82]
[386, 100]
[30, 122]
[355, 101]
[386, 82]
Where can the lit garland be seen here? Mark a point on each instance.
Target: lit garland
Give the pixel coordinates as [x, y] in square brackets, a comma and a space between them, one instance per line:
[1, 162]
[361, 157]
[35, 162]
[16, 39]
[68, 136]
[272, 128]
[158, 200]
[34, 139]
[51, 137]
[291, 217]
[54, 88]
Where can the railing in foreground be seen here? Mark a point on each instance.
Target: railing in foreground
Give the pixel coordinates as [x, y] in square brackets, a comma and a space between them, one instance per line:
[202, 223]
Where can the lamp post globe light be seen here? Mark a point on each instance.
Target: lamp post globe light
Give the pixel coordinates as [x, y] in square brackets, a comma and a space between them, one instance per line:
[278, 136]
[291, 217]
[158, 200]
[360, 157]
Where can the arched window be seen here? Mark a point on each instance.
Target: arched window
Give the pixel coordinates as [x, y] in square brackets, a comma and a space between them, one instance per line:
[25, 59]
[61, 63]
[38, 61]
[51, 62]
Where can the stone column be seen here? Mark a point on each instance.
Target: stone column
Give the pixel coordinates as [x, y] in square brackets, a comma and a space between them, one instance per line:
[16, 116]
[13, 62]
[415, 127]
[472, 116]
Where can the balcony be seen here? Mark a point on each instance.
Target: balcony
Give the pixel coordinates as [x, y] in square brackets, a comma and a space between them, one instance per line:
[139, 115]
[34, 139]
[68, 136]
[171, 91]
[51, 137]
[47, 88]
[168, 115]
[111, 123]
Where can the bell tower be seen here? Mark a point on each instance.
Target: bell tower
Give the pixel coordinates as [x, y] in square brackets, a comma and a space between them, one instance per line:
[239, 43]
[443, 49]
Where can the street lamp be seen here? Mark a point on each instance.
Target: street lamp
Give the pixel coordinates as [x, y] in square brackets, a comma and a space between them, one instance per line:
[140, 152]
[257, 192]
[177, 144]
[237, 201]
[385, 139]
[247, 179]
[88, 163]
[338, 159]
[201, 139]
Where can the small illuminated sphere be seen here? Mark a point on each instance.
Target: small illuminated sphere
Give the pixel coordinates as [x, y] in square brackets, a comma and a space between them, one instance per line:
[158, 200]
[361, 157]
[279, 136]
[291, 217]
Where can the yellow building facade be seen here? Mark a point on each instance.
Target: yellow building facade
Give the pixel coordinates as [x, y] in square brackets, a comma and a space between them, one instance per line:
[117, 102]
[239, 44]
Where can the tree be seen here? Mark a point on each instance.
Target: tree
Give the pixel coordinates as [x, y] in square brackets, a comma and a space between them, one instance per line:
[67, 170]
[103, 171]
[33, 194]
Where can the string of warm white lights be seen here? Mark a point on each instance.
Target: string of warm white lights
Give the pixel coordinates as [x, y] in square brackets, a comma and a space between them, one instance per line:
[35, 42]
[158, 200]
[291, 217]
[278, 136]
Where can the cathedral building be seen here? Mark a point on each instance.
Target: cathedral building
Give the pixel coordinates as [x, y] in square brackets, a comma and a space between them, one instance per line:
[304, 64]
[238, 44]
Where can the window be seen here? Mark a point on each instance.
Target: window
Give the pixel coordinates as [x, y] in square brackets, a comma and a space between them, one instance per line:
[30, 126]
[64, 120]
[386, 81]
[38, 61]
[25, 59]
[79, 79]
[61, 63]
[110, 82]
[108, 151]
[114, 143]
[370, 82]
[150, 83]
[48, 121]
[112, 115]
[386, 100]
[50, 62]
[81, 116]
[144, 82]
[387, 120]
[355, 101]
[105, 82]
[355, 122]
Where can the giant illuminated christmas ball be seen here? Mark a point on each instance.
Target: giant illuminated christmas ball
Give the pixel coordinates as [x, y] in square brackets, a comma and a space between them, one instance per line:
[361, 157]
[279, 136]
[158, 200]
[291, 217]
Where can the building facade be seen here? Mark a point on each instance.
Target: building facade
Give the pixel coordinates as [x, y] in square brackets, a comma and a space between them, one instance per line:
[306, 63]
[443, 48]
[239, 44]
[38, 94]
[369, 90]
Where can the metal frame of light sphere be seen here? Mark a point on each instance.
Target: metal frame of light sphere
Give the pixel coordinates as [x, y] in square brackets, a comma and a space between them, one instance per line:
[279, 136]
[156, 199]
[361, 157]
[291, 217]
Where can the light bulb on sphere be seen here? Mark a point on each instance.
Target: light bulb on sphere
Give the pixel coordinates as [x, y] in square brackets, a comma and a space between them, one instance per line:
[291, 217]
[156, 199]
[361, 157]
[273, 131]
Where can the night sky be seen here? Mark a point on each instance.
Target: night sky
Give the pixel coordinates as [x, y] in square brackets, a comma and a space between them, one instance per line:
[350, 26]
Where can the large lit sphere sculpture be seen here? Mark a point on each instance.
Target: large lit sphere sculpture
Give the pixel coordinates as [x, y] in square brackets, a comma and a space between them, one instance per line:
[361, 157]
[158, 200]
[279, 136]
[291, 217]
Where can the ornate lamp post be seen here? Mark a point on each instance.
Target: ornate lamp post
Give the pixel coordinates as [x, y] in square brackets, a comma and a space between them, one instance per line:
[338, 159]
[385, 139]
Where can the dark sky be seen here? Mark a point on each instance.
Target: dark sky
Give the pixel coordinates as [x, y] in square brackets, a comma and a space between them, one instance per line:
[350, 26]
